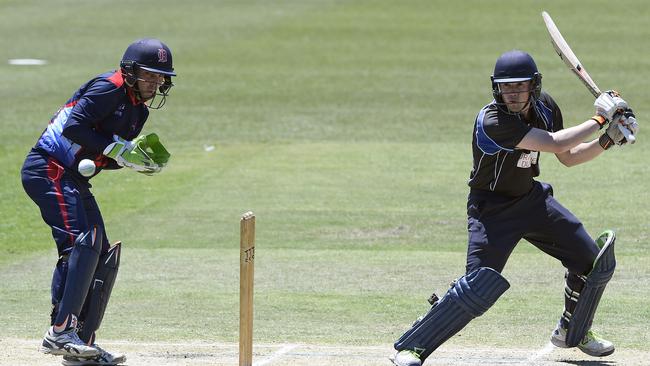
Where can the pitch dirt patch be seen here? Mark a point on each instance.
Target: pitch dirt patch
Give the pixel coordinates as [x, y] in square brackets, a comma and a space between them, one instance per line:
[25, 352]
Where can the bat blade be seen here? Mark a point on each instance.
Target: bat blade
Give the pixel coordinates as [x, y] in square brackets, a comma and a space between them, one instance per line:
[571, 60]
[566, 54]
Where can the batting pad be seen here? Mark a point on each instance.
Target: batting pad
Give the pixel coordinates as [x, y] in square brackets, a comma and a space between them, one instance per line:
[81, 265]
[101, 286]
[603, 270]
[471, 296]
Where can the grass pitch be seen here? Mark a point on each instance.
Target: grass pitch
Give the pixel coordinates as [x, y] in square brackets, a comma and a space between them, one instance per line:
[346, 127]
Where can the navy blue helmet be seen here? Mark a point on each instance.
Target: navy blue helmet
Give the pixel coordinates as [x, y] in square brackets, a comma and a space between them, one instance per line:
[513, 67]
[151, 55]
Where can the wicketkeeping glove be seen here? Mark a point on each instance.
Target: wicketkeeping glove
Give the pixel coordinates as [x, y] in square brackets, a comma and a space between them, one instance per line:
[128, 154]
[150, 146]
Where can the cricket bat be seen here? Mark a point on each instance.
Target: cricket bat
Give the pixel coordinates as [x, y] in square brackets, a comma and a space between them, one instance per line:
[571, 60]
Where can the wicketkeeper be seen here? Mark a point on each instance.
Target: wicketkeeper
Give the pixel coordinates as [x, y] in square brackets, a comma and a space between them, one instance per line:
[101, 122]
[506, 204]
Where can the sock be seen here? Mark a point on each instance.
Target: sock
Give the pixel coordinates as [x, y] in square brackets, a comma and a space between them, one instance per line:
[70, 322]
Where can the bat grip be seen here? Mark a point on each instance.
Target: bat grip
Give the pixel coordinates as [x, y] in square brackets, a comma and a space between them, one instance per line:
[629, 136]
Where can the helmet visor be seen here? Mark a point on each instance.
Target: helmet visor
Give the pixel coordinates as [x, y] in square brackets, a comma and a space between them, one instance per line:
[157, 71]
[511, 80]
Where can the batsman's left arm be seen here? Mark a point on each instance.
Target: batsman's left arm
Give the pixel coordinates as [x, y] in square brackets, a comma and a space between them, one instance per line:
[612, 136]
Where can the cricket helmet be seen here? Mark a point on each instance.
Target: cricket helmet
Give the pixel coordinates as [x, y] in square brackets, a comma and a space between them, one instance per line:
[513, 67]
[151, 55]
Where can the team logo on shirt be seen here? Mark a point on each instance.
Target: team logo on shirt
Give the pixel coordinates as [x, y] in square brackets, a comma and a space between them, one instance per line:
[120, 110]
[162, 55]
[527, 159]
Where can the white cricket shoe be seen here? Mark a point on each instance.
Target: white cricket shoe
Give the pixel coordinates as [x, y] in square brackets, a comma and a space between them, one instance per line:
[66, 343]
[105, 358]
[406, 358]
[591, 344]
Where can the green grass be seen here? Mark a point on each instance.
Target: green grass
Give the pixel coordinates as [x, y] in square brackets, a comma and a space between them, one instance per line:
[346, 127]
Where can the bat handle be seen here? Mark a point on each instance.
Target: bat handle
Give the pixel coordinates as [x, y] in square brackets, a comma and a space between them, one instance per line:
[629, 136]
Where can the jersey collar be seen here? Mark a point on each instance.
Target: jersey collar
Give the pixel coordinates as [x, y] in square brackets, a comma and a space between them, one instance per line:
[131, 94]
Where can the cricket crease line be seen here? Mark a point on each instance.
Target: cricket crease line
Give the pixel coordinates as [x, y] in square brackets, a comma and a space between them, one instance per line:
[285, 349]
[152, 344]
[542, 352]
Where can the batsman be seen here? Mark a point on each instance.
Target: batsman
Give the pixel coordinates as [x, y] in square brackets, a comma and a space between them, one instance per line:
[506, 204]
[99, 125]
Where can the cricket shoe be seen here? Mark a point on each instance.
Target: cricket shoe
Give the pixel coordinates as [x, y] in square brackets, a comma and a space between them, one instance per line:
[105, 358]
[406, 358]
[591, 344]
[67, 343]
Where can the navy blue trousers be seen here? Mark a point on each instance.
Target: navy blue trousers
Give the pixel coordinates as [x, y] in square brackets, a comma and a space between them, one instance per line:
[497, 223]
[66, 205]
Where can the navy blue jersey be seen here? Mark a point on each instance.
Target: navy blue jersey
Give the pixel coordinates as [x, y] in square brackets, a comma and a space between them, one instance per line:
[498, 165]
[85, 125]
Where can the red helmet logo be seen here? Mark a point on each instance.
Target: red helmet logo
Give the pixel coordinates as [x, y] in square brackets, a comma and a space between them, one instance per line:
[162, 55]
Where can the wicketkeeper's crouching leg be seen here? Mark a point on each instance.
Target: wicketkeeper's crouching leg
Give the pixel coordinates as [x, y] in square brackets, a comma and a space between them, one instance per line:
[470, 296]
[582, 298]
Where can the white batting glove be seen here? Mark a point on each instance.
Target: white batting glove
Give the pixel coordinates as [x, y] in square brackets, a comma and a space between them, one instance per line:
[630, 122]
[614, 135]
[607, 104]
[627, 120]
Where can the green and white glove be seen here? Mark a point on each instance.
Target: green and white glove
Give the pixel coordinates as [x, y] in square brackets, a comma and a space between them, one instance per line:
[128, 154]
[151, 146]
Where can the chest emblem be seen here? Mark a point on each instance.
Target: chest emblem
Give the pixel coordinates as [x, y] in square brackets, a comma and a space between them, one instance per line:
[527, 159]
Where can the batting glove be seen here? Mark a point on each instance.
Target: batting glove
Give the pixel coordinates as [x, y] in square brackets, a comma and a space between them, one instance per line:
[607, 105]
[614, 134]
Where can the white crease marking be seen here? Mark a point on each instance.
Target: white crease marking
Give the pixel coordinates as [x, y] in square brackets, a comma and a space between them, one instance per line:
[287, 348]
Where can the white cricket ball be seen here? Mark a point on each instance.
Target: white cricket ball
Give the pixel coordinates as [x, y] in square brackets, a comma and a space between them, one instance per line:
[86, 167]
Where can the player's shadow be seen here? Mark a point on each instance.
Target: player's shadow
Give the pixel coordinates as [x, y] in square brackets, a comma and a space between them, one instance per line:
[588, 363]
